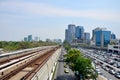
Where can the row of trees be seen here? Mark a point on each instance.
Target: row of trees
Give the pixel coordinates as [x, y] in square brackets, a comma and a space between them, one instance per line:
[80, 63]
[66, 45]
[15, 45]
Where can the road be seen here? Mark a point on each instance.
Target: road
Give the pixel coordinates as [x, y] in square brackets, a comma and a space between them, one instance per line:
[107, 74]
[60, 74]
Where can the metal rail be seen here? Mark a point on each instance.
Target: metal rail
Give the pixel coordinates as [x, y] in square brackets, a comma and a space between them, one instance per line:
[39, 65]
[43, 57]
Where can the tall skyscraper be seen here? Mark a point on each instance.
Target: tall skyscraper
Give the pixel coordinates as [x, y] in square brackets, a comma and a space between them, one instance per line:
[71, 32]
[79, 33]
[30, 38]
[102, 37]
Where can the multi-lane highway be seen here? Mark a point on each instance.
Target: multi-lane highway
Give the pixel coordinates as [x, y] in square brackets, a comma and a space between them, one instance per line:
[107, 74]
[99, 59]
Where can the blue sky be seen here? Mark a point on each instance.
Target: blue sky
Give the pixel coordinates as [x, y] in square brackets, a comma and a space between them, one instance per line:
[49, 18]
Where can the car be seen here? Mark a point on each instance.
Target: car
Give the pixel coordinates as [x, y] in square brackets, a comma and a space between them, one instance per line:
[103, 66]
[118, 65]
[117, 74]
[99, 73]
[66, 70]
[112, 71]
[65, 65]
[106, 68]
[98, 70]
[115, 65]
[111, 62]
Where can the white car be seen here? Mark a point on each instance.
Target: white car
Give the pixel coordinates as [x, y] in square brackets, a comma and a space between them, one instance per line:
[66, 70]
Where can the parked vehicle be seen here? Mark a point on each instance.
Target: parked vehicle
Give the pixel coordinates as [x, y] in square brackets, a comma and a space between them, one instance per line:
[112, 71]
[118, 65]
[117, 74]
[65, 65]
[66, 70]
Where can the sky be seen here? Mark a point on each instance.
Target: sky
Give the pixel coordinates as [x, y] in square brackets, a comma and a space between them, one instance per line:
[50, 18]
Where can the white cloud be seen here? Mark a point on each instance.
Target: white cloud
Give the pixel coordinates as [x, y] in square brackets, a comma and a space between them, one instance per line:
[41, 9]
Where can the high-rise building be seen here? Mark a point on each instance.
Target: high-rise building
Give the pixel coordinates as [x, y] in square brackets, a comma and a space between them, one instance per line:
[30, 38]
[113, 36]
[93, 32]
[87, 36]
[79, 33]
[66, 35]
[102, 37]
[70, 33]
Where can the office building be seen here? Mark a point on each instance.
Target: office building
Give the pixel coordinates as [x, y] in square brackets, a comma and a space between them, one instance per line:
[87, 36]
[79, 33]
[102, 37]
[93, 32]
[70, 33]
[113, 36]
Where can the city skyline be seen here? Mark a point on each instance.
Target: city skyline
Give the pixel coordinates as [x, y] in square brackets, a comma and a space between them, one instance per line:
[49, 19]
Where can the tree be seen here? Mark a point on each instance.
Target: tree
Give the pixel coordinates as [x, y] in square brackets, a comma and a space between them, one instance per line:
[14, 45]
[84, 67]
[72, 55]
[80, 63]
[67, 45]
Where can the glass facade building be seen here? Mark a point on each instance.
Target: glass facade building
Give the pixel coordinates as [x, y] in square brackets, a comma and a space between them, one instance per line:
[70, 33]
[79, 33]
[102, 38]
[113, 36]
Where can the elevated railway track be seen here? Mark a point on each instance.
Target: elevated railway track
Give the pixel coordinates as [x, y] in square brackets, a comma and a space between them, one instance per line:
[25, 67]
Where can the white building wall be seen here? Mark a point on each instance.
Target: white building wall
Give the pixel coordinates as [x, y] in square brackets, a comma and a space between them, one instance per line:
[112, 47]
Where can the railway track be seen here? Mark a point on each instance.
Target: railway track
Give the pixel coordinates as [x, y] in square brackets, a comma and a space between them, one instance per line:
[34, 61]
[37, 65]
[27, 53]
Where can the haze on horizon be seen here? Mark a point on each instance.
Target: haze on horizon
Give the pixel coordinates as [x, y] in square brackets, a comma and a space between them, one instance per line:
[50, 18]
